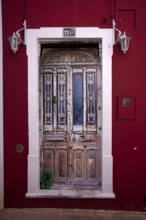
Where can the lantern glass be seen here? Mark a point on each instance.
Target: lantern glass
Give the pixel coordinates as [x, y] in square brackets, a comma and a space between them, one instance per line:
[124, 43]
[14, 42]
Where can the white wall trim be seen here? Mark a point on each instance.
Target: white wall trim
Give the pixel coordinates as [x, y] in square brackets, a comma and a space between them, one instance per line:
[1, 117]
[33, 38]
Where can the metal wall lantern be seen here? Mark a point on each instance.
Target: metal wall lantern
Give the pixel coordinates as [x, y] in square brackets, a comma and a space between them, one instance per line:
[122, 39]
[15, 39]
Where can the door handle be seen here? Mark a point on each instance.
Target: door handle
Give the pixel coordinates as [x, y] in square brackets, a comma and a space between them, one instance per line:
[74, 139]
[54, 99]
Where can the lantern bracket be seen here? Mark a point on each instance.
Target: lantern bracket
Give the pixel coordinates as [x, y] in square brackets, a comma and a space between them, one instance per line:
[16, 39]
[122, 39]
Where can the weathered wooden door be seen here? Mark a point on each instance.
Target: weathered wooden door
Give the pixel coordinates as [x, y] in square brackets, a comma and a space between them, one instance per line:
[70, 120]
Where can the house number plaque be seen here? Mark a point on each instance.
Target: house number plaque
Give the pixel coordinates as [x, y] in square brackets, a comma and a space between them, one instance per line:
[69, 32]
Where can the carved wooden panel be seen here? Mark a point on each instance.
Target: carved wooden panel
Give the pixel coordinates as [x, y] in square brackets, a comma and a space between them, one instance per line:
[86, 169]
[91, 164]
[49, 160]
[62, 164]
[78, 164]
[55, 159]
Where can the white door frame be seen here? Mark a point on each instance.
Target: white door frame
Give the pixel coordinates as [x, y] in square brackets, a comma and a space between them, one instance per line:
[1, 117]
[34, 37]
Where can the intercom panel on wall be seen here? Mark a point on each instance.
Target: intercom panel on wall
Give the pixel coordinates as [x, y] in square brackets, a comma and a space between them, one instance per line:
[126, 107]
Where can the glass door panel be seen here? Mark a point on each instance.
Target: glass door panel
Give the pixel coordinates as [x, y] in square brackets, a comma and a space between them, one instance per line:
[78, 98]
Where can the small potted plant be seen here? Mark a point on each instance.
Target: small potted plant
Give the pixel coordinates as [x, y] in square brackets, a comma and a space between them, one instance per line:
[46, 179]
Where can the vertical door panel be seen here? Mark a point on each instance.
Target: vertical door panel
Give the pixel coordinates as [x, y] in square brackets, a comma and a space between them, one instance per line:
[56, 160]
[78, 98]
[55, 99]
[62, 163]
[85, 137]
[91, 164]
[86, 169]
[48, 99]
[78, 164]
[49, 160]
[91, 99]
[61, 97]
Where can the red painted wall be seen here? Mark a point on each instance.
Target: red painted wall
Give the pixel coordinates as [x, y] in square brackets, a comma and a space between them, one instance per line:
[129, 79]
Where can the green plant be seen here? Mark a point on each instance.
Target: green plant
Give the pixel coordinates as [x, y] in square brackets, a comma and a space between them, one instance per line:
[46, 179]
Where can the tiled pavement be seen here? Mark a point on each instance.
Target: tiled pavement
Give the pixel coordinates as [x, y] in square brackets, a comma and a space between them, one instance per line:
[68, 214]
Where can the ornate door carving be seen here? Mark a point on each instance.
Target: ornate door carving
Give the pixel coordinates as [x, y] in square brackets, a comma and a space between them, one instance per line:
[70, 119]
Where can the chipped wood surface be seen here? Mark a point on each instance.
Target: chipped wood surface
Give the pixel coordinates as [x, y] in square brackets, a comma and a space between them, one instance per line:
[70, 150]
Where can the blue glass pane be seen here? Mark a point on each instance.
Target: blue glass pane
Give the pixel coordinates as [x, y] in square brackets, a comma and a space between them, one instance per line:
[77, 99]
